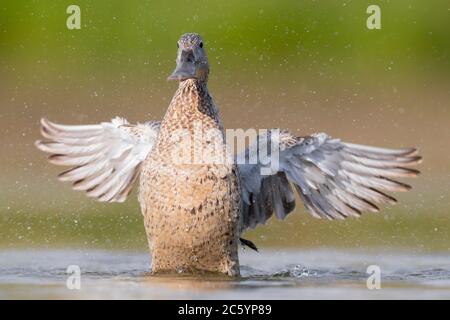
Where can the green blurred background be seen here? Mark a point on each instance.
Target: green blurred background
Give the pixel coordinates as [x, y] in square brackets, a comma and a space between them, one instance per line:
[303, 65]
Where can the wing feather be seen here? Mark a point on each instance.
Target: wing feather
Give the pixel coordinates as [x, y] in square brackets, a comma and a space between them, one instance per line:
[334, 179]
[105, 158]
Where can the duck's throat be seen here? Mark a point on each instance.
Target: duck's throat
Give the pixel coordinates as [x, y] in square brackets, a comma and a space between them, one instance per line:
[191, 102]
[191, 128]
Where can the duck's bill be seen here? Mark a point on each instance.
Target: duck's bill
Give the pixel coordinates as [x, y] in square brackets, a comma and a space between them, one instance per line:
[185, 68]
[181, 75]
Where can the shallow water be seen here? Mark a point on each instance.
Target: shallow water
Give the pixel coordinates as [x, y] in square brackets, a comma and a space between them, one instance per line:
[270, 274]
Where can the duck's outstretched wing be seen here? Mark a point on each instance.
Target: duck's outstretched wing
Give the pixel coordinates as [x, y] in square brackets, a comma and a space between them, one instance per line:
[104, 158]
[334, 179]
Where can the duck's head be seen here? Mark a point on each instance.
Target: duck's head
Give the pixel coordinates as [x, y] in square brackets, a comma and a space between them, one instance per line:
[192, 62]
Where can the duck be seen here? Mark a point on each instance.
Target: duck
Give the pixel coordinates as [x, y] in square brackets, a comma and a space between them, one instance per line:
[196, 208]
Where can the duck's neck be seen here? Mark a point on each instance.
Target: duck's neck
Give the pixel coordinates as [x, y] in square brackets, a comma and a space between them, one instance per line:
[192, 111]
[192, 99]
[193, 88]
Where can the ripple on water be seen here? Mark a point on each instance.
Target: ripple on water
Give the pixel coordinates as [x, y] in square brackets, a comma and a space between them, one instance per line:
[270, 274]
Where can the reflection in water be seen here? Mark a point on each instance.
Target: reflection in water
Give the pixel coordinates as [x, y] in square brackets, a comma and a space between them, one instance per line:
[268, 275]
[203, 283]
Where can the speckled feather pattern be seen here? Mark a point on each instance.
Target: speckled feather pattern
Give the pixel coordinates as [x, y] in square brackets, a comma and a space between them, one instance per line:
[191, 211]
[194, 212]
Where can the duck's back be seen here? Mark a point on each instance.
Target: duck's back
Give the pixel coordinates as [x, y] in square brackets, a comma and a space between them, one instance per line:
[189, 190]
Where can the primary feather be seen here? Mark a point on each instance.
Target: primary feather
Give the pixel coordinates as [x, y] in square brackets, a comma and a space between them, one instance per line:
[334, 179]
[104, 158]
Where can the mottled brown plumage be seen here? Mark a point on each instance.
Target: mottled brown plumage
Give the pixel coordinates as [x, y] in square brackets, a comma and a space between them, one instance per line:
[191, 211]
[195, 207]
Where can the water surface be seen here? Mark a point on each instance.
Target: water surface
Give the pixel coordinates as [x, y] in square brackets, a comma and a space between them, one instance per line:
[271, 274]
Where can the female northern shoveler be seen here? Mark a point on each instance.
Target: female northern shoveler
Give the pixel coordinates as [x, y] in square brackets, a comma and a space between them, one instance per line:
[194, 212]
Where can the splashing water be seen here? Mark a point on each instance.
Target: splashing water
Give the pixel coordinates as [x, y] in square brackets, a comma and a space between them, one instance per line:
[267, 275]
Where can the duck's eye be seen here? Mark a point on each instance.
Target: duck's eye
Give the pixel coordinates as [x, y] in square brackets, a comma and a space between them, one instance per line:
[201, 44]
